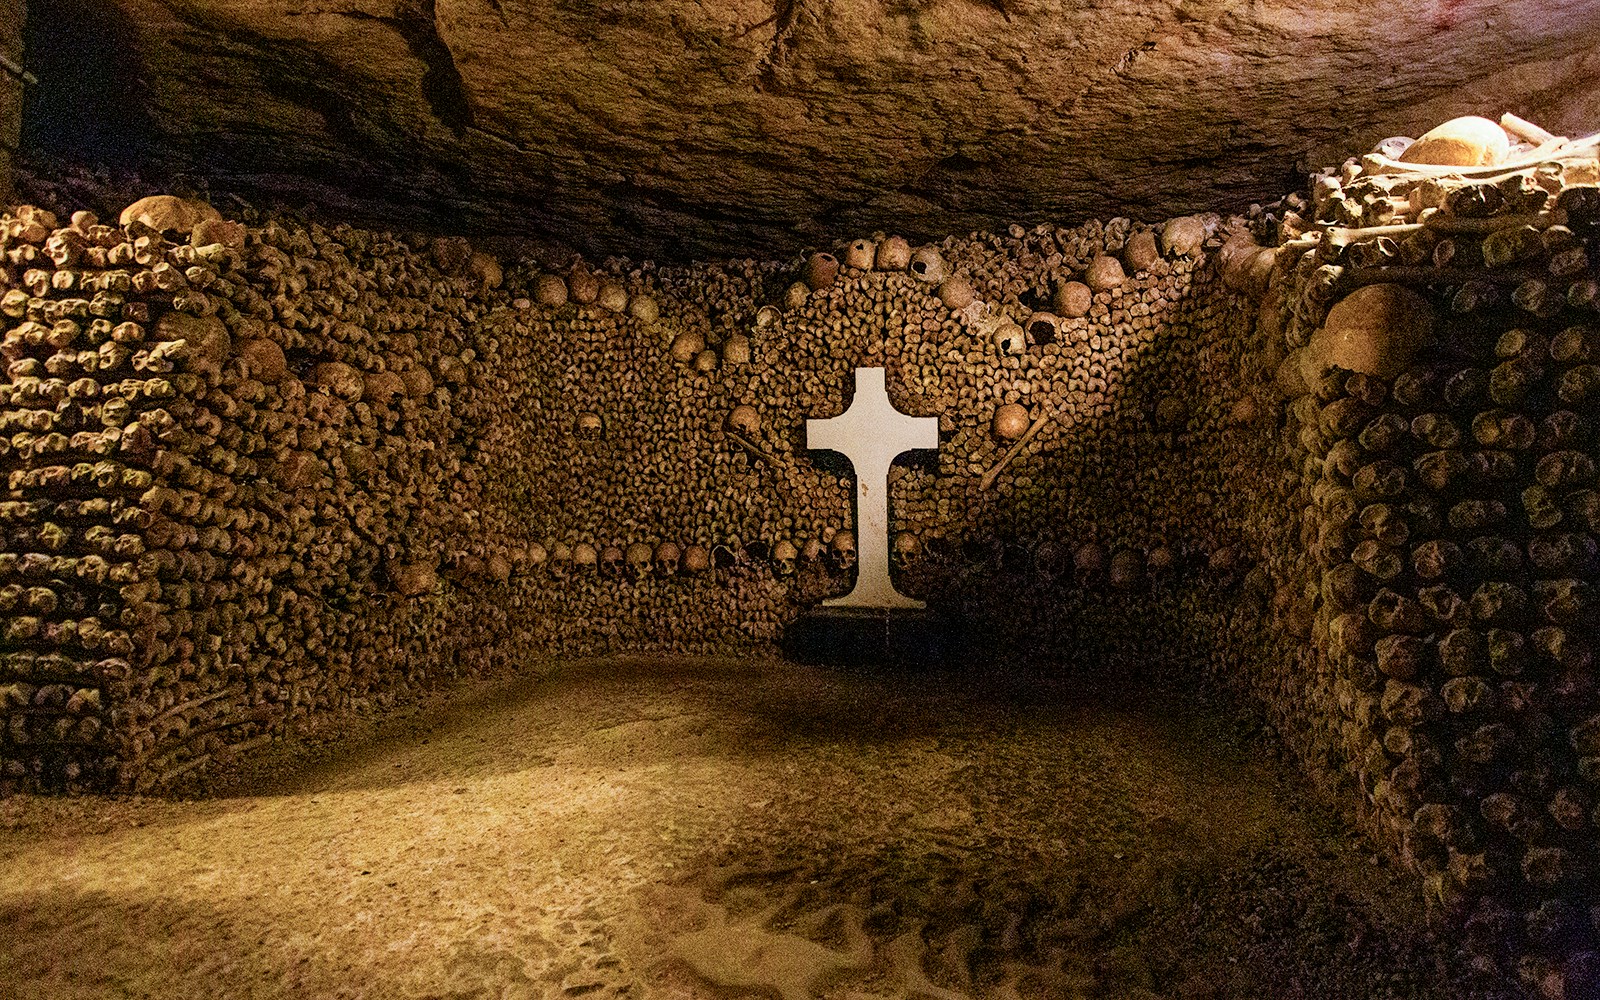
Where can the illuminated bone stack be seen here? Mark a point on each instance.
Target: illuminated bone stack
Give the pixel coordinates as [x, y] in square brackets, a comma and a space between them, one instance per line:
[318, 469]
[1439, 333]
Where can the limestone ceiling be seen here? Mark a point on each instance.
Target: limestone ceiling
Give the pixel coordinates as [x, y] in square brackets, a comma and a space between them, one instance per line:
[679, 128]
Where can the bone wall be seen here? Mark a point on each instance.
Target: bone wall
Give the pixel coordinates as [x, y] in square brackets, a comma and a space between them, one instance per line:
[1443, 570]
[264, 475]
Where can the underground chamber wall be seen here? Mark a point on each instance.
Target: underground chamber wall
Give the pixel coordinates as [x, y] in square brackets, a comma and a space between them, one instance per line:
[263, 475]
[363, 445]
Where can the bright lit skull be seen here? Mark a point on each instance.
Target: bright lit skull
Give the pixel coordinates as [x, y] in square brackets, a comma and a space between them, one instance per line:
[639, 556]
[844, 550]
[745, 420]
[584, 556]
[1009, 339]
[696, 559]
[784, 555]
[536, 555]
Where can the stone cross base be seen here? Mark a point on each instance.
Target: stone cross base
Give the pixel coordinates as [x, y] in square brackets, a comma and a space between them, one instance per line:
[873, 637]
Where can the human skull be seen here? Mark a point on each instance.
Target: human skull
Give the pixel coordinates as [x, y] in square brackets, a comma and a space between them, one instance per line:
[611, 561]
[639, 560]
[1049, 560]
[706, 361]
[767, 317]
[696, 559]
[336, 377]
[561, 560]
[745, 420]
[907, 551]
[1185, 236]
[736, 350]
[1127, 569]
[820, 271]
[1073, 299]
[1009, 339]
[583, 285]
[686, 346]
[612, 296]
[536, 555]
[498, 568]
[461, 565]
[1104, 273]
[644, 309]
[1044, 328]
[1160, 564]
[550, 290]
[860, 255]
[589, 425]
[844, 550]
[1226, 564]
[1010, 421]
[937, 550]
[811, 551]
[783, 557]
[584, 556]
[1089, 564]
[894, 254]
[927, 265]
[956, 292]
[667, 559]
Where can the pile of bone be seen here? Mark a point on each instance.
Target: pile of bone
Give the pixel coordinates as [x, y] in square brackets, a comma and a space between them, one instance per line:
[261, 476]
[221, 459]
[874, 303]
[1446, 406]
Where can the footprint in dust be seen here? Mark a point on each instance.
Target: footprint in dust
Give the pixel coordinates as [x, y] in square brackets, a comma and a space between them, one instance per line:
[726, 931]
[908, 956]
[747, 954]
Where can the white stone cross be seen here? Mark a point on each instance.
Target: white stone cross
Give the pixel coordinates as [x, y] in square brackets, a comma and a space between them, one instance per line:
[871, 434]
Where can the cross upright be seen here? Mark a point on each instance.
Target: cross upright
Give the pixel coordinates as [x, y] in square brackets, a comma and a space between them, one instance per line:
[871, 434]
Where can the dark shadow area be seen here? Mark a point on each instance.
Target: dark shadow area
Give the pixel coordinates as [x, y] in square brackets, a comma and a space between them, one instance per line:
[1176, 922]
[869, 638]
[762, 709]
[89, 103]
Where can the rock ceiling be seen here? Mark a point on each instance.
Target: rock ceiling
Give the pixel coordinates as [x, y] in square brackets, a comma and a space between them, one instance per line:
[677, 128]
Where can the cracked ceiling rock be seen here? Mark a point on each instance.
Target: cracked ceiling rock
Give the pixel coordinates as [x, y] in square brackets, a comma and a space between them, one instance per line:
[620, 125]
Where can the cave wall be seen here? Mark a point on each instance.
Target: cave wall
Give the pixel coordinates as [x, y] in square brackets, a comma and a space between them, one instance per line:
[11, 14]
[678, 130]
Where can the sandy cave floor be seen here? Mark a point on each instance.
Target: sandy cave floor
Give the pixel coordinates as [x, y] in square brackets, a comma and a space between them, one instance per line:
[652, 828]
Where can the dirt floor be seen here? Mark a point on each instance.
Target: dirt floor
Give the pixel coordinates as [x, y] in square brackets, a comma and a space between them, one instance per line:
[718, 829]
